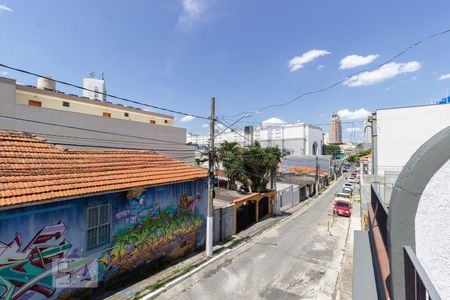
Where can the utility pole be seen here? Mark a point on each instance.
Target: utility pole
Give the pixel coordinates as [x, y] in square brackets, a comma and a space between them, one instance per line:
[317, 174]
[210, 216]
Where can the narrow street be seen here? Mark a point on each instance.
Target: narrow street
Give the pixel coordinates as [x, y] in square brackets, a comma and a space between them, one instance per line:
[299, 258]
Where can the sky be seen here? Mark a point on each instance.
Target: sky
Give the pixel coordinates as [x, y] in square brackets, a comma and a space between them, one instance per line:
[247, 54]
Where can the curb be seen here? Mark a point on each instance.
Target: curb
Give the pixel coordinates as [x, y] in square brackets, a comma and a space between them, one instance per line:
[184, 276]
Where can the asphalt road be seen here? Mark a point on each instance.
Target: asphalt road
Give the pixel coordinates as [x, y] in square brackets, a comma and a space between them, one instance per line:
[297, 259]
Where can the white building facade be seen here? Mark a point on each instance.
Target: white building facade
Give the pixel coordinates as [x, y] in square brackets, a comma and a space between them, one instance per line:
[295, 138]
[401, 131]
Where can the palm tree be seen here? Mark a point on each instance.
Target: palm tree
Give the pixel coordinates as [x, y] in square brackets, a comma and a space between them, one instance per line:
[274, 155]
[261, 164]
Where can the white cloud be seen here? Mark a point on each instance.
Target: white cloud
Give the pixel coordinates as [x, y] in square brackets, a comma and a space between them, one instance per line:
[298, 62]
[5, 8]
[353, 61]
[205, 125]
[193, 11]
[273, 120]
[187, 119]
[320, 67]
[357, 114]
[353, 129]
[384, 72]
[444, 76]
[4, 73]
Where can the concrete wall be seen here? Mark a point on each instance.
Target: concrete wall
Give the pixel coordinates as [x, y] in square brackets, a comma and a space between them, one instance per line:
[118, 134]
[401, 131]
[289, 196]
[433, 231]
[224, 226]
[145, 225]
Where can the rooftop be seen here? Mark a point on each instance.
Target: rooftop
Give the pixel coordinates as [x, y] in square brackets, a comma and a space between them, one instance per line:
[307, 170]
[61, 95]
[33, 169]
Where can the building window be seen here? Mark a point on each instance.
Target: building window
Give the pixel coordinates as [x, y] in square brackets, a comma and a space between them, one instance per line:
[165, 121]
[107, 114]
[66, 104]
[152, 122]
[126, 114]
[34, 103]
[98, 225]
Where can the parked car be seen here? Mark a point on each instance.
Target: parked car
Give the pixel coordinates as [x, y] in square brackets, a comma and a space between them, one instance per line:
[351, 180]
[343, 195]
[348, 184]
[342, 207]
[347, 190]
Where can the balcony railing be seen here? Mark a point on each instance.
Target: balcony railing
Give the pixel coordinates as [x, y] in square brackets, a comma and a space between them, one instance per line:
[380, 212]
[418, 285]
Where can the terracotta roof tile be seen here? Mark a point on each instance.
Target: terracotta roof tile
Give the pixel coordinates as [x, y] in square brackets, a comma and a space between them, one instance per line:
[32, 169]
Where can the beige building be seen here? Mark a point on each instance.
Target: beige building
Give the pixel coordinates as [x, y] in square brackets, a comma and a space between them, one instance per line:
[335, 130]
[46, 96]
[82, 122]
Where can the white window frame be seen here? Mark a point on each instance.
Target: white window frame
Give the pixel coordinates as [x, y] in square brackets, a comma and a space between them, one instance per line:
[98, 227]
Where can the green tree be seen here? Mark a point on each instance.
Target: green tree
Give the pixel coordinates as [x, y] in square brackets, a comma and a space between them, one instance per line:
[253, 166]
[331, 150]
[358, 155]
[260, 164]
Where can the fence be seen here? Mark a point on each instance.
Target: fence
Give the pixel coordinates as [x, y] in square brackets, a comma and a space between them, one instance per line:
[418, 285]
[291, 196]
[224, 226]
[380, 213]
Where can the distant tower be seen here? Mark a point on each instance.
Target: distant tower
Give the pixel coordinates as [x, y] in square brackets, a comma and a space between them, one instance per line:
[335, 130]
[96, 87]
[248, 134]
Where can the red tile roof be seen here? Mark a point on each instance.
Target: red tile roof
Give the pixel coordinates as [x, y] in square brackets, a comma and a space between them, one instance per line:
[307, 170]
[32, 169]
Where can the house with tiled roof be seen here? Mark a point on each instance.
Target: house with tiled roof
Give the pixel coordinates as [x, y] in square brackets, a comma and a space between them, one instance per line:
[73, 218]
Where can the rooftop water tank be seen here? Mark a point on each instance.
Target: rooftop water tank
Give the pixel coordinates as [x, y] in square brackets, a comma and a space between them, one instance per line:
[46, 84]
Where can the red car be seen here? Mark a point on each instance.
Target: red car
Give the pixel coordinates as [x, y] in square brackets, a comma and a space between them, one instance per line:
[342, 208]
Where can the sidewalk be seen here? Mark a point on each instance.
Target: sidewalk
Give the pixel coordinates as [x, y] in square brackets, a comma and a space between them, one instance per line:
[191, 264]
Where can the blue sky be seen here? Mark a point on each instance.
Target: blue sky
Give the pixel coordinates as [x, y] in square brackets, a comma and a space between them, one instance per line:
[179, 53]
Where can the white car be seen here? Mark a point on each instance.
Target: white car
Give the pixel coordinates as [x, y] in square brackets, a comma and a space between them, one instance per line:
[348, 184]
[351, 180]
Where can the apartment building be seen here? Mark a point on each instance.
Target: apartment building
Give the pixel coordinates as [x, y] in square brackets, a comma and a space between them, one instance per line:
[295, 138]
[335, 130]
[70, 119]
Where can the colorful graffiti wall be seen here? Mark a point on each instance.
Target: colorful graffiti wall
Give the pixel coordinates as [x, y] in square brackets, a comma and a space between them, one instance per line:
[146, 225]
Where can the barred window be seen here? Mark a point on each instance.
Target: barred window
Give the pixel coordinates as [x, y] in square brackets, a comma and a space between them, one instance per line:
[98, 225]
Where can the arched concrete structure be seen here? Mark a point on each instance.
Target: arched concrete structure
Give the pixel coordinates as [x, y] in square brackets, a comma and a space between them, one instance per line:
[315, 149]
[413, 179]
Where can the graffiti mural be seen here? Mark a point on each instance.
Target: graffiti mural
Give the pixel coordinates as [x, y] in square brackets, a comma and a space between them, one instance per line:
[41, 257]
[152, 233]
[28, 268]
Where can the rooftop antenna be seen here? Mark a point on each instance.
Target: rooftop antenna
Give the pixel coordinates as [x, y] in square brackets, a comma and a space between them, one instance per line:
[103, 75]
[92, 73]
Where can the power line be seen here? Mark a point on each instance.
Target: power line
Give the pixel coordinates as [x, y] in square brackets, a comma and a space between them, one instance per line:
[347, 77]
[101, 93]
[235, 131]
